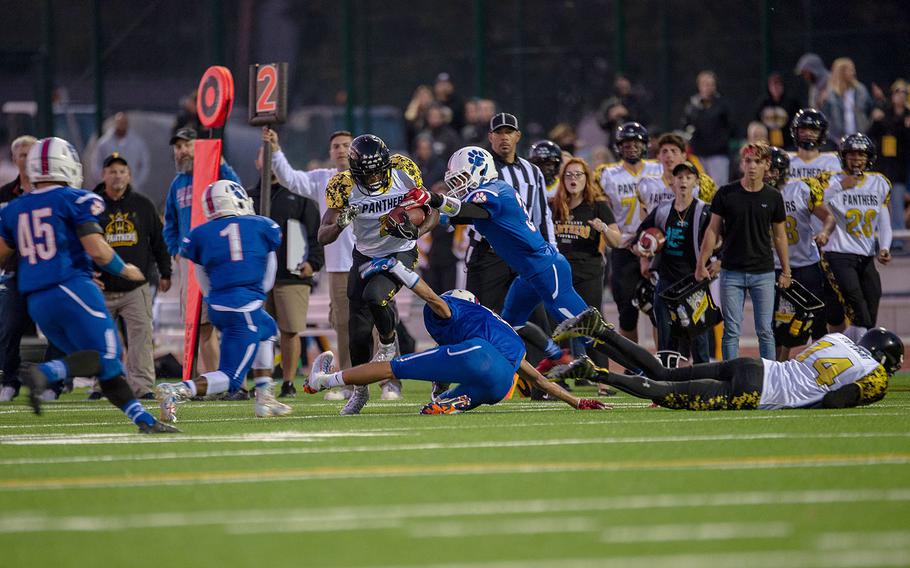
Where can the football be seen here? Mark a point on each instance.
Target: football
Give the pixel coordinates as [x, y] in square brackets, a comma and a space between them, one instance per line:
[417, 215]
[651, 241]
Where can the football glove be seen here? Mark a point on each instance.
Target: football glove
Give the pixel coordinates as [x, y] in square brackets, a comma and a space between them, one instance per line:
[390, 265]
[592, 404]
[346, 216]
[417, 197]
[402, 228]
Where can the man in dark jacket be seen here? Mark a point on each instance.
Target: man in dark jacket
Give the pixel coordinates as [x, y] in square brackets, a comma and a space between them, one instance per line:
[132, 226]
[289, 299]
[707, 119]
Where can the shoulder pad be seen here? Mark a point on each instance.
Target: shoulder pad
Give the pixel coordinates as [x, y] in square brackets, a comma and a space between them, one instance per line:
[407, 165]
[338, 190]
[706, 187]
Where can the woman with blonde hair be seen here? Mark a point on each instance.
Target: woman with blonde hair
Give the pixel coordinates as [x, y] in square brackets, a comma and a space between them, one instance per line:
[847, 102]
[581, 218]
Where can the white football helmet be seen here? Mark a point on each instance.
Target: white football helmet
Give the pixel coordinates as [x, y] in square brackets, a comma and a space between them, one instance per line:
[468, 169]
[225, 198]
[54, 160]
[462, 295]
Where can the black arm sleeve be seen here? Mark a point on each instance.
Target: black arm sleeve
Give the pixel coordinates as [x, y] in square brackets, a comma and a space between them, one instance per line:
[469, 212]
[92, 227]
[844, 397]
[157, 244]
[310, 220]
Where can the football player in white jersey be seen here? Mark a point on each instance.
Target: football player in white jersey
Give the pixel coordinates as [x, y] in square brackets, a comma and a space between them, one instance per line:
[547, 156]
[619, 182]
[859, 200]
[809, 129]
[363, 197]
[803, 199]
[833, 372]
[653, 190]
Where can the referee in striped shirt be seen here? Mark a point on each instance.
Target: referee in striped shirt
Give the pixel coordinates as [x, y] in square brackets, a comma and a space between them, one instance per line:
[489, 277]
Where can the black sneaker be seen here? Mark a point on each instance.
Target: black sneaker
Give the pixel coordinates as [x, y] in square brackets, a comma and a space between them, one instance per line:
[157, 428]
[36, 381]
[95, 395]
[240, 394]
[288, 390]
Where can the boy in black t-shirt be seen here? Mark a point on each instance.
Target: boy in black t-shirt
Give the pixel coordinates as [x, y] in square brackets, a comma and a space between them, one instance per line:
[683, 221]
[748, 213]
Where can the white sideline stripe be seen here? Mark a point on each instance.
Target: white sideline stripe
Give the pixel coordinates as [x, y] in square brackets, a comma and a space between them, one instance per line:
[694, 532]
[458, 424]
[853, 540]
[860, 558]
[500, 527]
[117, 439]
[243, 477]
[36, 521]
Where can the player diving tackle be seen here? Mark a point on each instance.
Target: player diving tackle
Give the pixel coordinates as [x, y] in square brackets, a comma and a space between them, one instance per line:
[833, 372]
[476, 349]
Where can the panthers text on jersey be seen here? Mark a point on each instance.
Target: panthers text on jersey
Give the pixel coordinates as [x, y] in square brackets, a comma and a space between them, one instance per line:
[42, 225]
[653, 190]
[801, 197]
[510, 230]
[825, 162]
[621, 188]
[237, 255]
[827, 365]
[370, 235]
[473, 321]
[857, 212]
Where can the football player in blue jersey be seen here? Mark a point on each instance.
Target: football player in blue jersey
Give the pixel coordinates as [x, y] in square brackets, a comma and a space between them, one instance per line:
[55, 229]
[234, 254]
[477, 196]
[476, 349]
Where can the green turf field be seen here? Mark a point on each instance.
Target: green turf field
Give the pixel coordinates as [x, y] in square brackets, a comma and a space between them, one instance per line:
[520, 484]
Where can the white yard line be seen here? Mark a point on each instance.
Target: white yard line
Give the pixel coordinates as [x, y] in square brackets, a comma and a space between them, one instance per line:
[28, 521]
[129, 439]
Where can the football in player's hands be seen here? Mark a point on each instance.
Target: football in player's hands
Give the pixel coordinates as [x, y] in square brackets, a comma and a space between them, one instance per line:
[650, 242]
[592, 404]
[417, 197]
[404, 223]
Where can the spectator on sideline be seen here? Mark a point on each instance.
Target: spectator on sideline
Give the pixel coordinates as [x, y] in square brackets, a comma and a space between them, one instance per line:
[132, 227]
[177, 212]
[415, 115]
[746, 212]
[339, 254]
[445, 140]
[444, 93]
[118, 139]
[432, 165]
[890, 131]
[813, 71]
[14, 318]
[289, 298]
[776, 110]
[707, 119]
[847, 102]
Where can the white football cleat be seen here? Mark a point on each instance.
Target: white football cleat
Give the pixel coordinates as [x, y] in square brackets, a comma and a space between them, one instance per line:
[7, 393]
[267, 405]
[391, 390]
[168, 396]
[386, 352]
[319, 372]
[357, 402]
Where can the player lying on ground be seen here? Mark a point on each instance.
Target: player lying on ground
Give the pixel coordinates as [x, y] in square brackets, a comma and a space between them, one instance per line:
[833, 372]
[477, 350]
[55, 229]
[234, 254]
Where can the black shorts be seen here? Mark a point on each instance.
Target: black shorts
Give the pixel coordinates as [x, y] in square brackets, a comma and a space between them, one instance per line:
[854, 291]
[625, 273]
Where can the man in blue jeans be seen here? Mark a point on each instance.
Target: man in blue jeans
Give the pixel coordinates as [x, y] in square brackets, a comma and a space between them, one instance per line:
[748, 212]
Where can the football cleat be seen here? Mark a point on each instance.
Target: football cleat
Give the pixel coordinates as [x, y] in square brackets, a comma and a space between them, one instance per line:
[267, 405]
[339, 393]
[168, 396]
[391, 390]
[447, 405]
[588, 323]
[34, 378]
[357, 401]
[386, 352]
[288, 390]
[8, 393]
[157, 428]
[581, 368]
[564, 359]
[319, 373]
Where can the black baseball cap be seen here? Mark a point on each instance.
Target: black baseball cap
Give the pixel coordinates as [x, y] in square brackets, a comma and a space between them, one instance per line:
[115, 158]
[685, 166]
[503, 119]
[184, 134]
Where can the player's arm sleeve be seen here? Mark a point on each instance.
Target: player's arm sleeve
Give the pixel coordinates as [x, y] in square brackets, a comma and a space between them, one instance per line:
[156, 242]
[706, 188]
[884, 223]
[271, 269]
[225, 171]
[300, 182]
[310, 220]
[468, 213]
[407, 165]
[338, 190]
[171, 229]
[867, 390]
